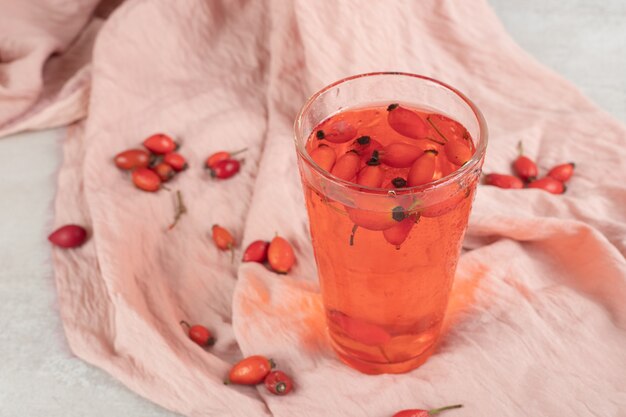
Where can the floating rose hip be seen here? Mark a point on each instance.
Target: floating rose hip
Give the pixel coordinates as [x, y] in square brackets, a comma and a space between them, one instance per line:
[359, 330]
[256, 252]
[371, 175]
[325, 157]
[347, 166]
[160, 144]
[562, 172]
[278, 383]
[164, 171]
[400, 155]
[548, 184]
[217, 157]
[225, 169]
[397, 234]
[458, 151]
[199, 334]
[250, 371]
[280, 255]
[425, 413]
[376, 220]
[339, 132]
[68, 236]
[176, 161]
[146, 179]
[524, 167]
[423, 169]
[132, 158]
[406, 122]
[503, 181]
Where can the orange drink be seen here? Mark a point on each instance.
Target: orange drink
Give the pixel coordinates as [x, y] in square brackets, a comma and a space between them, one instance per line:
[389, 165]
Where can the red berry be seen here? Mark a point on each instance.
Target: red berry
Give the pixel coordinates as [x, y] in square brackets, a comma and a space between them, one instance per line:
[347, 166]
[400, 155]
[213, 159]
[562, 172]
[425, 413]
[164, 171]
[280, 255]
[222, 238]
[503, 181]
[548, 184]
[278, 383]
[256, 251]
[339, 132]
[146, 179]
[132, 158]
[423, 169]
[376, 220]
[367, 148]
[225, 168]
[371, 176]
[160, 144]
[176, 161]
[406, 122]
[250, 371]
[68, 236]
[199, 334]
[397, 234]
[324, 156]
[359, 330]
[458, 151]
[525, 168]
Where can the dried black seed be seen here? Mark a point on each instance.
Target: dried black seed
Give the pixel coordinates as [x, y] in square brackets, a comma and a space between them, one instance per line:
[363, 140]
[392, 106]
[398, 182]
[320, 134]
[373, 162]
[433, 151]
[398, 213]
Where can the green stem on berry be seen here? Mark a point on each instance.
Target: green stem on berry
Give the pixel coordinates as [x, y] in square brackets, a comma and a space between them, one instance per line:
[436, 128]
[439, 410]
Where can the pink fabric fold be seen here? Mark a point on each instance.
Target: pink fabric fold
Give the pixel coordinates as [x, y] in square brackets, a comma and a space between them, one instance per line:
[536, 324]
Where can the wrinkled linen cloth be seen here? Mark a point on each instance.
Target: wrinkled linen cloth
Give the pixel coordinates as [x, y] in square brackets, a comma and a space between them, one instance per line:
[537, 319]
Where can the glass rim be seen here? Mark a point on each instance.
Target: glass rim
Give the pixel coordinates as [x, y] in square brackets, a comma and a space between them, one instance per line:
[465, 169]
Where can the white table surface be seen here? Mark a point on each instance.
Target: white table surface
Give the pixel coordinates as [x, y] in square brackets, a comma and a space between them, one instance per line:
[584, 40]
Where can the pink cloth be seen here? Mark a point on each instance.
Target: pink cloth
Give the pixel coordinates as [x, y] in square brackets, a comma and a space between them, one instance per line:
[537, 322]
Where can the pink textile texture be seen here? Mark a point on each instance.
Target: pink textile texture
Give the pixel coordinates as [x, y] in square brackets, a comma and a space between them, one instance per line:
[537, 320]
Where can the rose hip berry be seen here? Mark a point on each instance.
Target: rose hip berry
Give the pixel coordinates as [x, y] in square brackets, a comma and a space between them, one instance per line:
[68, 236]
[503, 181]
[347, 166]
[280, 255]
[278, 383]
[406, 122]
[256, 252]
[338, 132]
[225, 169]
[222, 238]
[523, 166]
[325, 157]
[371, 176]
[400, 155]
[359, 330]
[548, 184]
[250, 371]
[213, 159]
[376, 220]
[562, 172]
[132, 158]
[397, 234]
[176, 161]
[199, 334]
[164, 171]
[458, 151]
[146, 179]
[423, 169]
[160, 144]
[425, 413]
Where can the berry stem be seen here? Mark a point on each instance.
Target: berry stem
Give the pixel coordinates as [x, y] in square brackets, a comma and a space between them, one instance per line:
[180, 209]
[238, 152]
[436, 128]
[184, 323]
[435, 140]
[520, 148]
[352, 234]
[439, 410]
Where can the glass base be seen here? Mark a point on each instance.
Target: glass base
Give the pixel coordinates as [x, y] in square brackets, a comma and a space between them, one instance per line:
[375, 368]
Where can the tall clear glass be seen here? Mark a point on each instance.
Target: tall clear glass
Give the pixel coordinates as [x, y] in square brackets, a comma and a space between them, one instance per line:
[385, 304]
